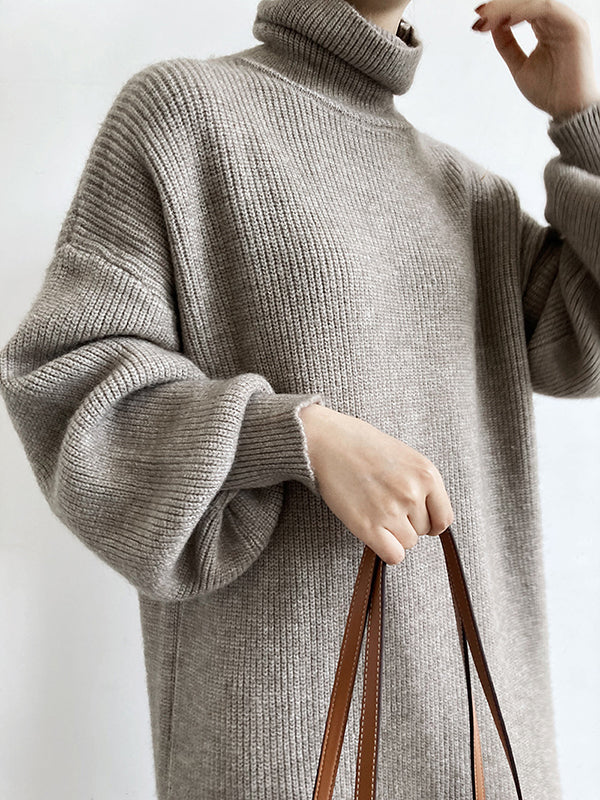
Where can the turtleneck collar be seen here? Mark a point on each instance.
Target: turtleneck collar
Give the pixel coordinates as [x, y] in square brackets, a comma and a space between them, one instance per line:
[332, 49]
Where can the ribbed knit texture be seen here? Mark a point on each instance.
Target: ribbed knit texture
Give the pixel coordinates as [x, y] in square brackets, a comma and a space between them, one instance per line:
[252, 233]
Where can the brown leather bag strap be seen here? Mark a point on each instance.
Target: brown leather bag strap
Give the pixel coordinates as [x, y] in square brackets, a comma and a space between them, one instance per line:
[368, 600]
[366, 761]
[345, 675]
[465, 620]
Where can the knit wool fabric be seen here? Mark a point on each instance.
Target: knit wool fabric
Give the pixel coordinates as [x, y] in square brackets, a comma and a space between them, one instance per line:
[252, 233]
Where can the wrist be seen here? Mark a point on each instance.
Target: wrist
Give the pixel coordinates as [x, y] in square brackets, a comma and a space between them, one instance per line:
[560, 115]
[314, 421]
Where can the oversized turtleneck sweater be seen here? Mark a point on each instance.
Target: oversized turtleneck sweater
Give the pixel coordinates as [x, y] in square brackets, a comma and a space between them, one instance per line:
[262, 230]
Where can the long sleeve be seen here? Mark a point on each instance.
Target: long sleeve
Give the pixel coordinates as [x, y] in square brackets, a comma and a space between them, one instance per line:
[561, 264]
[173, 478]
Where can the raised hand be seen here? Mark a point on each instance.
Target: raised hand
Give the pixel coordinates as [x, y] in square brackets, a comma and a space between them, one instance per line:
[558, 75]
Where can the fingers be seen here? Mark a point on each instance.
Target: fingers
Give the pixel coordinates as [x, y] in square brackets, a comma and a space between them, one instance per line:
[403, 531]
[440, 512]
[391, 543]
[391, 540]
[383, 542]
[418, 518]
[389, 547]
[509, 48]
[547, 17]
[398, 531]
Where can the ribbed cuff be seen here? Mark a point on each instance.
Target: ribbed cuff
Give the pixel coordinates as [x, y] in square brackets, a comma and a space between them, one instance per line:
[578, 138]
[272, 445]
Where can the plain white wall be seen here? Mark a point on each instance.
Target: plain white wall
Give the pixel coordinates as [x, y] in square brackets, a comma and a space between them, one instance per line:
[74, 721]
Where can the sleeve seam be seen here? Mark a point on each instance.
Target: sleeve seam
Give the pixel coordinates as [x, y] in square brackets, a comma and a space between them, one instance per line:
[543, 345]
[567, 335]
[122, 268]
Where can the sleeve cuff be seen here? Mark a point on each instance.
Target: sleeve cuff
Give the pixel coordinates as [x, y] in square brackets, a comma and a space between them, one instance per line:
[272, 445]
[578, 138]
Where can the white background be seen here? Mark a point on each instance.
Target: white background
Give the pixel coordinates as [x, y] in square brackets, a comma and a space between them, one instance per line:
[74, 721]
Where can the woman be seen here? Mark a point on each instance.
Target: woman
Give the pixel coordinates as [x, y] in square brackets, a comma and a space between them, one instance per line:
[281, 322]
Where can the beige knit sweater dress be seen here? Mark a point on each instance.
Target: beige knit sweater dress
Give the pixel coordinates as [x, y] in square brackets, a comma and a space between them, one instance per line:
[262, 230]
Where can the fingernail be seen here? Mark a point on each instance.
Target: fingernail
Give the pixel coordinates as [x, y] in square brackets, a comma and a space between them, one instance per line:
[478, 24]
[480, 6]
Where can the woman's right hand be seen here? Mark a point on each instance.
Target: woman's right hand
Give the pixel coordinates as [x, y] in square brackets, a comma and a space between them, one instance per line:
[384, 491]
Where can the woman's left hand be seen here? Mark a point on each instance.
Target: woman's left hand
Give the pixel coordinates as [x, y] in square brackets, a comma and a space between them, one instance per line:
[558, 75]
